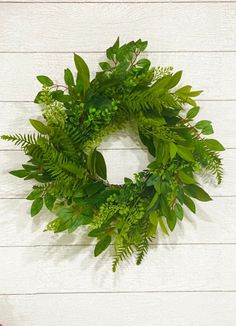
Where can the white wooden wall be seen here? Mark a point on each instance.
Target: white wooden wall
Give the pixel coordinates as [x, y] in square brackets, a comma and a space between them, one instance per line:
[188, 279]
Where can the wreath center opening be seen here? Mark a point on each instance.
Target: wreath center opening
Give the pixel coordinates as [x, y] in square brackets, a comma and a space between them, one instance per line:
[124, 155]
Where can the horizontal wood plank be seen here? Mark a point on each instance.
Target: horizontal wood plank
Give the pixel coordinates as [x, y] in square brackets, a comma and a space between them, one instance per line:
[111, 1]
[179, 309]
[132, 161]
[206, 71]
[14, 119]
[72, 26]
[214, 223]
[73, 269]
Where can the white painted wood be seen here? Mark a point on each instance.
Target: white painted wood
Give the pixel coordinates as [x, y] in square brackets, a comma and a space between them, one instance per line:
[165, 309]
[120, 163]
[112, 1]
[214, 223]
[211, 72]
[14, 119]
[200, 255]
[91, 27]
[73, 269]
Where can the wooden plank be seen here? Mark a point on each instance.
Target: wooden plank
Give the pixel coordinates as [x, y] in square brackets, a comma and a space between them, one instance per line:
[71, 26]
[73, 269]
[117, 309]
[14, 119]
[132, 161]
[201, 70]
[112, 1]
[214, 223]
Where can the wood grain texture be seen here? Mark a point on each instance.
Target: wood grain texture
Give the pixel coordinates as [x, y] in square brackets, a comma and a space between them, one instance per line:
[73, 269]
[165, 309]
[214, 223]
[14, 119]
[120, 163]
[211, 72]
[94, 26]
[113, 1]
[186, 279]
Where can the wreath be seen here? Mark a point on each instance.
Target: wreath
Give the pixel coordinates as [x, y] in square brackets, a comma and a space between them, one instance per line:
[71, 172]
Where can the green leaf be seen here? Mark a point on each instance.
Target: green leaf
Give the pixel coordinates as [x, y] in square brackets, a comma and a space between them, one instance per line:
[57, 95]
[141, 45]
[185, 153]
[214, 145]
[110, 52]
[163, 227]
[152, 180]
[105, 65]
[36, 206]
[173, 150]
[35, 193]
[40, 127]
[93, 188]
[192, 113]
[195, 93]
[178, 211]
[153, 201]
[65, 212]
[45, 80]
[205, 126]
[144, 63]
[153, 218]
[189, 203]
[100, 165]
[184, 90]
[68, 77]
[148, 142]
[38, 97]
[197, 192]
[49, 201]
[171, 221]
[83, 72]
[185, 178]
[175, 79]
[19, 173]
[29, 168]
[102, 245]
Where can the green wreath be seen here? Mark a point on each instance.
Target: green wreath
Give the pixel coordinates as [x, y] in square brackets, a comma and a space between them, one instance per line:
[71, 172]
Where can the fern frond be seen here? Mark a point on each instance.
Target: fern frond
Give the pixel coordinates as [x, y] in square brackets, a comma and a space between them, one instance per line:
[122, 251]
[143, 246]
[210, 160]
[22, 140]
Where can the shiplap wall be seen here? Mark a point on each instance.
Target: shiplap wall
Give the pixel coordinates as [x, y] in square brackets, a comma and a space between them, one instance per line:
[186, 279]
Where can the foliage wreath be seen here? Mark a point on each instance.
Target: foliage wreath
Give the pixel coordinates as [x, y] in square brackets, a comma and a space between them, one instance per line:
[71, 172]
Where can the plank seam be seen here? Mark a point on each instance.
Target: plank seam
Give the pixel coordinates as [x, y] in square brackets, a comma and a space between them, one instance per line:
[24, 198]
[115, 2]
[200, 100]
[103, 149]
[151, 245]
[102, 52]
[116, 292]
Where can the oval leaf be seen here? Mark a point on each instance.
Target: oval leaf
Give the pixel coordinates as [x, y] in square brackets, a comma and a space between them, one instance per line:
[40, 127]
[197, 192]
[36, 206]
[192, 113]
[214, 144]
[102, 245]
[44, 80]
[185, 153]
